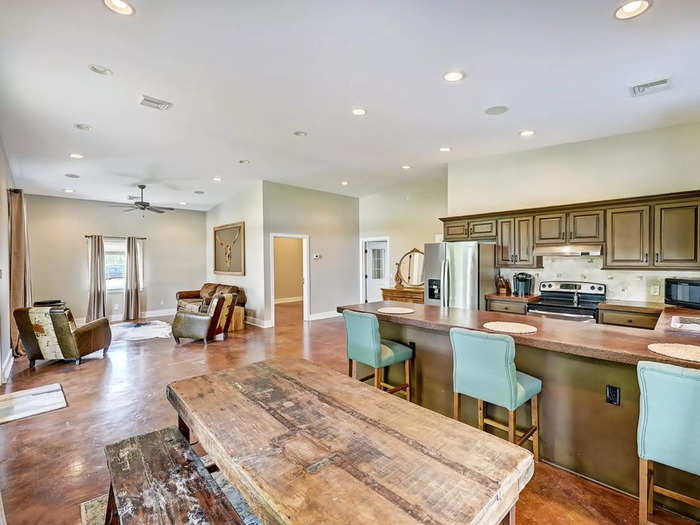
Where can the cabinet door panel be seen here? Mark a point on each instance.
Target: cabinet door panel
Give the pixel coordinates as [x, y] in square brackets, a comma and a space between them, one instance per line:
[677, 234]
[524, 236]
[550, 229]
[504, 242]
[456, 230]
[628, 237]
[586, 226]
[482, 229]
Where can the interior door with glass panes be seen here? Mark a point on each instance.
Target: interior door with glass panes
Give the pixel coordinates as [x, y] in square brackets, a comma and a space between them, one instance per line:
[375, 270]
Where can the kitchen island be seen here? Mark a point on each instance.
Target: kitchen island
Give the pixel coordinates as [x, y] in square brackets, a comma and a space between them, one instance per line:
[579, 430]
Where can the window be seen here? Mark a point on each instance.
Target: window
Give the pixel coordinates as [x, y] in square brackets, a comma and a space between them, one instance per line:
[377, 263]
[115, 262]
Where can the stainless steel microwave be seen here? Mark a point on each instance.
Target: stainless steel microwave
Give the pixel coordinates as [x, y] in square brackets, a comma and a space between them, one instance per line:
[682, 292]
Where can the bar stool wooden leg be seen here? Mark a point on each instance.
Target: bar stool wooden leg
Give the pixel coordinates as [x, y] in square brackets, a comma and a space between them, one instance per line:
[480, 408]
[511, 426]
[511, 516]
[350, 367]
[455, 405]
[378, 378]
[407, 373]
[650, 507]
[534, 411]
[643, 490]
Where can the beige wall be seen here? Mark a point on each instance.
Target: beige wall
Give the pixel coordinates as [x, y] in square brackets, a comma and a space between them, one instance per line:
[407, 213]
[332, 223]
[173, 253]
[288, 268]
[245, 205]
[5, 348]
[656, 161]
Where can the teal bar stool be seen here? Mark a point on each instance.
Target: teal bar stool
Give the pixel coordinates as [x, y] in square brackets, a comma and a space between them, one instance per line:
[484, 368]
[669, 428]
[364, 345]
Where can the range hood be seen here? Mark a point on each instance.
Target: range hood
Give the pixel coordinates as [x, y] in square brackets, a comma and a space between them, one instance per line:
[571, 250]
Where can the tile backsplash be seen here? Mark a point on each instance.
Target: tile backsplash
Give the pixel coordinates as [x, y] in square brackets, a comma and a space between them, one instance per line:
[631, 285]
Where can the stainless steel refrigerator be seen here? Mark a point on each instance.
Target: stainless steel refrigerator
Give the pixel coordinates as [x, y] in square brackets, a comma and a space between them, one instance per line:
[459, 274]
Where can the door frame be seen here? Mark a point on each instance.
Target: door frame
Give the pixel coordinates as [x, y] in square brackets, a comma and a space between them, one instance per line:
[387, 263]
[305, 272]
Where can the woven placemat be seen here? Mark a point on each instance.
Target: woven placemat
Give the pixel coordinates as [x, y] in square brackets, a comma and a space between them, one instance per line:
[395, 310]
[510, 328]
[676, 350]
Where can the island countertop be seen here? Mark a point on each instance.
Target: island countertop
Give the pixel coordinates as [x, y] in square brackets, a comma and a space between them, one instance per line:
[611, 343]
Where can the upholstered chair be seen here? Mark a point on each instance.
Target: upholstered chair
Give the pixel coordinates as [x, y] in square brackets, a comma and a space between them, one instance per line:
[51, 333]
[484, 368]
[668, 431]
[198, 300]
[205, 325]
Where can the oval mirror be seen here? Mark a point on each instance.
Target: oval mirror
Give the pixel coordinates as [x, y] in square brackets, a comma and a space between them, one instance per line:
[410, 269]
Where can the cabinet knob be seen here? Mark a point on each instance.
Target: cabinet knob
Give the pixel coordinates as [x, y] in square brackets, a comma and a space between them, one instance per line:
[657, 256]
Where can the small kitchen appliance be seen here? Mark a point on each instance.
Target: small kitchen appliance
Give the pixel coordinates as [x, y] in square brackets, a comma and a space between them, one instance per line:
[569, 300]
[682, 292]
[523, 284]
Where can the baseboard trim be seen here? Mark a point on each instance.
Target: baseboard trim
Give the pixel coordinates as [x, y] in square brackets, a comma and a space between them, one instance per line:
[288, 300]
[323, 315]
[261, 323]
[7, 367]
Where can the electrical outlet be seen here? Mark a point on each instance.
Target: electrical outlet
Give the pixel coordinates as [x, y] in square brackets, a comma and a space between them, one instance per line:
[115, 308]
[162, 302]
[655, 289]
[612, 395]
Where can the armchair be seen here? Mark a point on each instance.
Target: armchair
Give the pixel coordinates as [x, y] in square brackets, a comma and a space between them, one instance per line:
[51, 333]
[205, 325]
[199, 300]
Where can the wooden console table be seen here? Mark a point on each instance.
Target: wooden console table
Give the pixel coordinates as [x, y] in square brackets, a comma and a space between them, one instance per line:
[404, 295]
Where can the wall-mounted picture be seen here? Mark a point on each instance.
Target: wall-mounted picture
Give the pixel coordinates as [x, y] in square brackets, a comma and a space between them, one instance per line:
[229, 249]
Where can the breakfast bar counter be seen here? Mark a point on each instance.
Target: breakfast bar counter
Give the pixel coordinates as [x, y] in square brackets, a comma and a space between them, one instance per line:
[582, 427]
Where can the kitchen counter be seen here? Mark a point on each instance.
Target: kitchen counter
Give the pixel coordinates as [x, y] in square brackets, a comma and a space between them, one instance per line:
[610, 343]
[514, 298]
[633, 306]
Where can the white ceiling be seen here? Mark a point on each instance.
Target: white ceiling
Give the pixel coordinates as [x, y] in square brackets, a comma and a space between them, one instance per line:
[244, 75]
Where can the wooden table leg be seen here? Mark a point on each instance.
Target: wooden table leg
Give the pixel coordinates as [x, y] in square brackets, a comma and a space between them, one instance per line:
[510, 517]
[111, 516]
[183, 428]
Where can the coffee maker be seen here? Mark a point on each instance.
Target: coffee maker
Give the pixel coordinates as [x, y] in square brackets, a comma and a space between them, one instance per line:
[523, 284]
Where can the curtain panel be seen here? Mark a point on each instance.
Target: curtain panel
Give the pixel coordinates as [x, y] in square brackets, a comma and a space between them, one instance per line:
[20, 272]
[132, 286]
[97, 298]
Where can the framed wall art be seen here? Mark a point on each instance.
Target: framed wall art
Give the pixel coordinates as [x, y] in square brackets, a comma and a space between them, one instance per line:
[229, 249]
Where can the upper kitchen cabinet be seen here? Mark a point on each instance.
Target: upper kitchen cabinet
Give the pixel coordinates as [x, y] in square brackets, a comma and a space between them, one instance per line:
[677, 234]
[456, 230]
[585, 226]
[627, 233]
[482, 229]
[515, 242]
[550, 228]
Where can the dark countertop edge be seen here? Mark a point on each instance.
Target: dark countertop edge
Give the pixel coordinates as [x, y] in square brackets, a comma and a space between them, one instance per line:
[514, 298]
[631, 357]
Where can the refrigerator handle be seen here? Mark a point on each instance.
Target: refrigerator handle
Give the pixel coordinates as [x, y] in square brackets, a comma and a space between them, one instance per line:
[442, 282]
[446, 291]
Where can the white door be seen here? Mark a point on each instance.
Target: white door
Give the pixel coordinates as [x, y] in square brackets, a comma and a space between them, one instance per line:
[375, 270]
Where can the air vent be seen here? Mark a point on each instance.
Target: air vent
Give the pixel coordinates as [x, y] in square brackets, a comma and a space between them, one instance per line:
[156, 103]
[650, 87]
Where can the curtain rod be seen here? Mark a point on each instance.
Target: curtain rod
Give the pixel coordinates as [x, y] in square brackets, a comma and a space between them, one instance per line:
[120, 237]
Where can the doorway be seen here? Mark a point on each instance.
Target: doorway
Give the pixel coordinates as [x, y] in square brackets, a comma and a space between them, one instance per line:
[289, 290]
[375, 268]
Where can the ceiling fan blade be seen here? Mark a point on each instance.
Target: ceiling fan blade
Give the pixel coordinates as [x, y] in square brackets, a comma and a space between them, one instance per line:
[134, 208]
[119, 205]
[163, 208]
[155, 210]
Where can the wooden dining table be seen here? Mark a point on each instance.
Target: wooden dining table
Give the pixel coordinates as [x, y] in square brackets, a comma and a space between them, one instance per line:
[304, 444]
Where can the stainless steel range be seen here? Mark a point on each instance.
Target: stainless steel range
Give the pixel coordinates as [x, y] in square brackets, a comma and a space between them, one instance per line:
[570, 300]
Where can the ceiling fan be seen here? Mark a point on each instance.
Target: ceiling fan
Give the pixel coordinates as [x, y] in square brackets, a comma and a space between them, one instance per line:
[143, 205]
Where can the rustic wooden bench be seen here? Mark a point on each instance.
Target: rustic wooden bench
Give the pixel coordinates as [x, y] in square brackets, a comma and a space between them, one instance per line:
[158, 478]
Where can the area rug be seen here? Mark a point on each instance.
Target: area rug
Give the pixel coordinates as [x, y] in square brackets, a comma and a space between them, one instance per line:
[93, 512]
[30, 402]
[140, 331]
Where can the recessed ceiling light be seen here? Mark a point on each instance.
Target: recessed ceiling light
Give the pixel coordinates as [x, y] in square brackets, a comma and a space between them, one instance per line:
[300, 133]
[359, 112]
[83, 127]
[244, 161]
[344, 183]
[405, 167]
[67, 190]
[198, 192]
[183, 203]
[496, 110]
[453, 76]
[76, 156]
[72, 176]
[527, 133]
[120, 7]
[631, 9]
[100, 70]
[216, 179]
[445, 149]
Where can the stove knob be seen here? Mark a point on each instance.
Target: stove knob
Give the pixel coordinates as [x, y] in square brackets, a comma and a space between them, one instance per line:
[592, 287]
[600, 288]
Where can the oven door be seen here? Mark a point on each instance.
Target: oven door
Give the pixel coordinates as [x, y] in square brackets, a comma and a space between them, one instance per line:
[565, 316]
